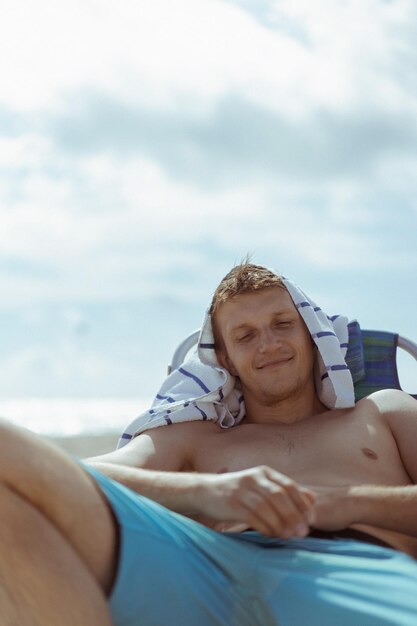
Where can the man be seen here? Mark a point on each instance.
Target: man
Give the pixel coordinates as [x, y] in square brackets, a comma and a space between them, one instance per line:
[291, 469]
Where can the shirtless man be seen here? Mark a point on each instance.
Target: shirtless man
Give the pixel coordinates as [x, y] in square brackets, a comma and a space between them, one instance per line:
[291, 467]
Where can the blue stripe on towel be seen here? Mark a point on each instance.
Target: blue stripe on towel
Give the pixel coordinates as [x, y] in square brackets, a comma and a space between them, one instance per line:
[126, 436]
[301, 305]
[208, 346]
[333, 368]
[195, 378]
[159, 397]
[201, 411]
[324, 333]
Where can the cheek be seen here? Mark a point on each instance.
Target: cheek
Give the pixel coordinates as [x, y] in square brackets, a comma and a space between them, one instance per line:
[226, 362]
[221, 357]
[230, 366]
[306, 349]
[310, 356]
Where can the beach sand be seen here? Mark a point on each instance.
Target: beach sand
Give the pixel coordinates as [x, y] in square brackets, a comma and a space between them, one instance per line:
[83, 446]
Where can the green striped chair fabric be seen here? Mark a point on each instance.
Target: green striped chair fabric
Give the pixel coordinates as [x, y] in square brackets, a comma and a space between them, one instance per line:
[379, 362]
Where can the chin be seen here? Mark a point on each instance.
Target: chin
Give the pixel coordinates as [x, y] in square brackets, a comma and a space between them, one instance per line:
[271, 398]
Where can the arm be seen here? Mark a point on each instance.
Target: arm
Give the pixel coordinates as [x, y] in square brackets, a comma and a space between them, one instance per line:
[259, 497]
[389, 507]
[152, 464]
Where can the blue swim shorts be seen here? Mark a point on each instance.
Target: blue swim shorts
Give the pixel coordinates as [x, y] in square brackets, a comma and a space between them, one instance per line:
[175, 571]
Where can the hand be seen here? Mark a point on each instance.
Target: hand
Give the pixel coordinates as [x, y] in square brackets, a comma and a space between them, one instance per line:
[259, 498]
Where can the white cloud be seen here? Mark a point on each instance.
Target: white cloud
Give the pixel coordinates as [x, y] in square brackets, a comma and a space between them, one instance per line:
[38, 369]
[188, 54]
[107, 227]
[87, 223]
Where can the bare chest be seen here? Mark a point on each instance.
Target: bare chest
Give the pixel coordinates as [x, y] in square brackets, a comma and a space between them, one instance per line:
[347, 449]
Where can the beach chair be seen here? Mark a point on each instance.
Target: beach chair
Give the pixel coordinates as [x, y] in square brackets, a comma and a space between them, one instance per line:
[371, 358]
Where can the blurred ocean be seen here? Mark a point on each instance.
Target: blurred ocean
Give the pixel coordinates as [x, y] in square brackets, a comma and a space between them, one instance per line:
[68, 417]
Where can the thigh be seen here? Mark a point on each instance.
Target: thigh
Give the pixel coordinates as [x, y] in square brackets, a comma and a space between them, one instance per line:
[43, 581]
[327, 582]
[60, 489]
[174, 570]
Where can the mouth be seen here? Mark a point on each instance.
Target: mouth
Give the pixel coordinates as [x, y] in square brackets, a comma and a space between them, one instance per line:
[274, 363]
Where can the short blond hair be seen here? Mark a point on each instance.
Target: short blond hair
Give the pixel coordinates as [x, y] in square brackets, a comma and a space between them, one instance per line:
[243, 278]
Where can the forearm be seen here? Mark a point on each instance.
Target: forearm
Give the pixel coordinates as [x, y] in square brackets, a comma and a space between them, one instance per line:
[393, 508]
[178, 491]
[259, 497]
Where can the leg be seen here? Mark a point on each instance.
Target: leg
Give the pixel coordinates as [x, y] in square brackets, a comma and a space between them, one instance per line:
[42, 579]
[58, 537]
[175, 571]
[325, 582]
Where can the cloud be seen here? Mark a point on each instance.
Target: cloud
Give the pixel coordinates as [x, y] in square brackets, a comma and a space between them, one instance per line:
[38, 369]
[115, 226]
[238, 139]
[189, 55]
[188, 134]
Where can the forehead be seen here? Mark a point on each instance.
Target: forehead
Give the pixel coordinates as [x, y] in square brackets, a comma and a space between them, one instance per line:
[248, 308]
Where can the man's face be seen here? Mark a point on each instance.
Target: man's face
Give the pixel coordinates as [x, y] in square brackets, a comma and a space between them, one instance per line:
[266, 344]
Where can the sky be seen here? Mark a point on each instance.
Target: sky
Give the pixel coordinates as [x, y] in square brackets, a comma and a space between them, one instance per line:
[146, 147]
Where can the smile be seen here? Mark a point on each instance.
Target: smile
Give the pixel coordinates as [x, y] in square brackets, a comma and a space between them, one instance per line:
[274, 363]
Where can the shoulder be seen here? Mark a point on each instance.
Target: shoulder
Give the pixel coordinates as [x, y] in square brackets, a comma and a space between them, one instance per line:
[399, 411]
[167, 448]
[391, 402]
[183, 436]
[182, 430]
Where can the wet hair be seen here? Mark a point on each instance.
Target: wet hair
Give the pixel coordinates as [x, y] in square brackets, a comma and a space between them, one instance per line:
[246, 277]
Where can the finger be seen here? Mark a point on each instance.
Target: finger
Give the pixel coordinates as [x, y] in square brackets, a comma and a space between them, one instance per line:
[261, 514]
[294, 505]
[310, 500]
[279, 504]
[270, 506]
[296, 521]
[311, 495]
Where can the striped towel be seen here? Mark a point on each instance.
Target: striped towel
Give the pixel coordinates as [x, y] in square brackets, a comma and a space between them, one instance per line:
[202, 390]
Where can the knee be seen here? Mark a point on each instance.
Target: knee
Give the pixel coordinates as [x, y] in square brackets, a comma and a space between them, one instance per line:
[8, 430]
[10, 434]
[17, 446]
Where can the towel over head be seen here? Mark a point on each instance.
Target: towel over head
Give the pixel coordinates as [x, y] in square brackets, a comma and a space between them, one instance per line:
[200, 389]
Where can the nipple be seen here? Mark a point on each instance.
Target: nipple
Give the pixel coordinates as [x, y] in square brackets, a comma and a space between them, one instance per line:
[370, 453]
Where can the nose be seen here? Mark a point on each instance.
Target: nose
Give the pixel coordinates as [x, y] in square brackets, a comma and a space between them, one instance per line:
[267, 340]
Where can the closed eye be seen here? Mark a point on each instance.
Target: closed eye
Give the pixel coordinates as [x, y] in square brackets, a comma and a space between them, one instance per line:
[244, 337]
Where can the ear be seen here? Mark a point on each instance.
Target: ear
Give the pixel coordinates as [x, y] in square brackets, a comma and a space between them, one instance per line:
[225, 362]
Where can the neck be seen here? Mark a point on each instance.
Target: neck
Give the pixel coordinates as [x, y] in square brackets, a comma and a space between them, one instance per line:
[282, 411]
